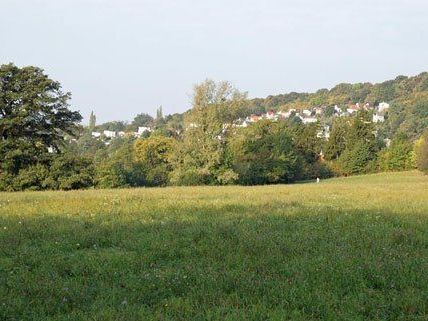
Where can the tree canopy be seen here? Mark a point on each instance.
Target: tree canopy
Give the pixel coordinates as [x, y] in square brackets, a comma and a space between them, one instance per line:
[34, 116]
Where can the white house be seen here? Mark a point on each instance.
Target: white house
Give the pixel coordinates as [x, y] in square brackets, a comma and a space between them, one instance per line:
[284, 114]
[143, 129]
[309, 120]
[96, 134]
[121, 134]
[270, 115]
[109, 134]
[382, 107]
[242, 124]
[192, 125]
[324, 132]
[318, 111]
[306, 112]
[378, 118]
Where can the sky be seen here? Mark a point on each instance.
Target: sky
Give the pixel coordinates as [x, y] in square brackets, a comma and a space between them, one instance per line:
[124, 57]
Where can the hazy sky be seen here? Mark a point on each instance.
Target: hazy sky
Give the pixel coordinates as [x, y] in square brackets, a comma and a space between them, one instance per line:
[123, 57]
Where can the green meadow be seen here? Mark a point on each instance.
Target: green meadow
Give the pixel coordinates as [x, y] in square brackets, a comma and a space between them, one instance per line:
[345, 249]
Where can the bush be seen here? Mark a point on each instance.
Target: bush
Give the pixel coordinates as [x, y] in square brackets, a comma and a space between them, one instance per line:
[6, 182]
[357, 159]
[264, 154]
[190, 177]
[120, 170]
[421, 153]
[398, 157]
[227, 177]
[32, 178]
[69, 172]
[154, 154]
[316, 170]
[158, 175]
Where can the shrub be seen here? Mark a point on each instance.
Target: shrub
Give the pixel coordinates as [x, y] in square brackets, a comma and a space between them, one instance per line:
[399, 156]
[31, 178]
[69, 172]
[357, 159]
[190, 177]
[264, 154]
[120, 170]
[421, 153]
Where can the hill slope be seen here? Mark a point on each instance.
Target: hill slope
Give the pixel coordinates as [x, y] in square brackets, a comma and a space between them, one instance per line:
[408, 97]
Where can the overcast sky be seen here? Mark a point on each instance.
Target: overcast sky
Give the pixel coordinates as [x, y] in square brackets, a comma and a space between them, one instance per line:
[123, 57]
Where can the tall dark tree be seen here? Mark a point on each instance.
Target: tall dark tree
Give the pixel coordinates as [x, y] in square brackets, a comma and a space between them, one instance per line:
[159, 113]
[34, 115]
[92, 121]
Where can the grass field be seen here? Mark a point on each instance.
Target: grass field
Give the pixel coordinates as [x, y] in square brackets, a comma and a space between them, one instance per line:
[345, 249]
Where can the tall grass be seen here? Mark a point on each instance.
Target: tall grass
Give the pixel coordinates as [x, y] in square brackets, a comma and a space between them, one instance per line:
[344, 249]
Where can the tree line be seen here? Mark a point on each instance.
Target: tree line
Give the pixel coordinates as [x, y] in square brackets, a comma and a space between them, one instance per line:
[43, 145]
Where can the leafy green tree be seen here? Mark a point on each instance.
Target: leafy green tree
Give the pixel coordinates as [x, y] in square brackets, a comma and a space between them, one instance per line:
[155, 153]
[306, 142]
[398, 157]
[142, 120]
[34, 177]
[174, 125]
[116, 126]
[199, 156]
[263, 153]
[69, 172]
[329, 111]
[421, 152]
[34, 115]
[159, 122]
[92, 121]
[337, 141]
[120, 169]
[356, 159]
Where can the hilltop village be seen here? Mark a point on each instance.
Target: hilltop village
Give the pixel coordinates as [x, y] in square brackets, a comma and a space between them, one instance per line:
[305, 116]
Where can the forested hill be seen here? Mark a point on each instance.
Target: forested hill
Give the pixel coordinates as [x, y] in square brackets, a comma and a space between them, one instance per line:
[400, 90]
[408, 97]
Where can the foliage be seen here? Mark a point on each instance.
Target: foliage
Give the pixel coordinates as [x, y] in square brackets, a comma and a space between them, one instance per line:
[306, 142]
[115, 126]
[34, 115]
[337, 141]
[155, 154]
[34, 177]
[399, 156]
[57, 172]
[69, 172]
[120, 169]
[199, 155]
[356, 159]
[421, 152]
[263, 154]
[142, 120]
[92, 121]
